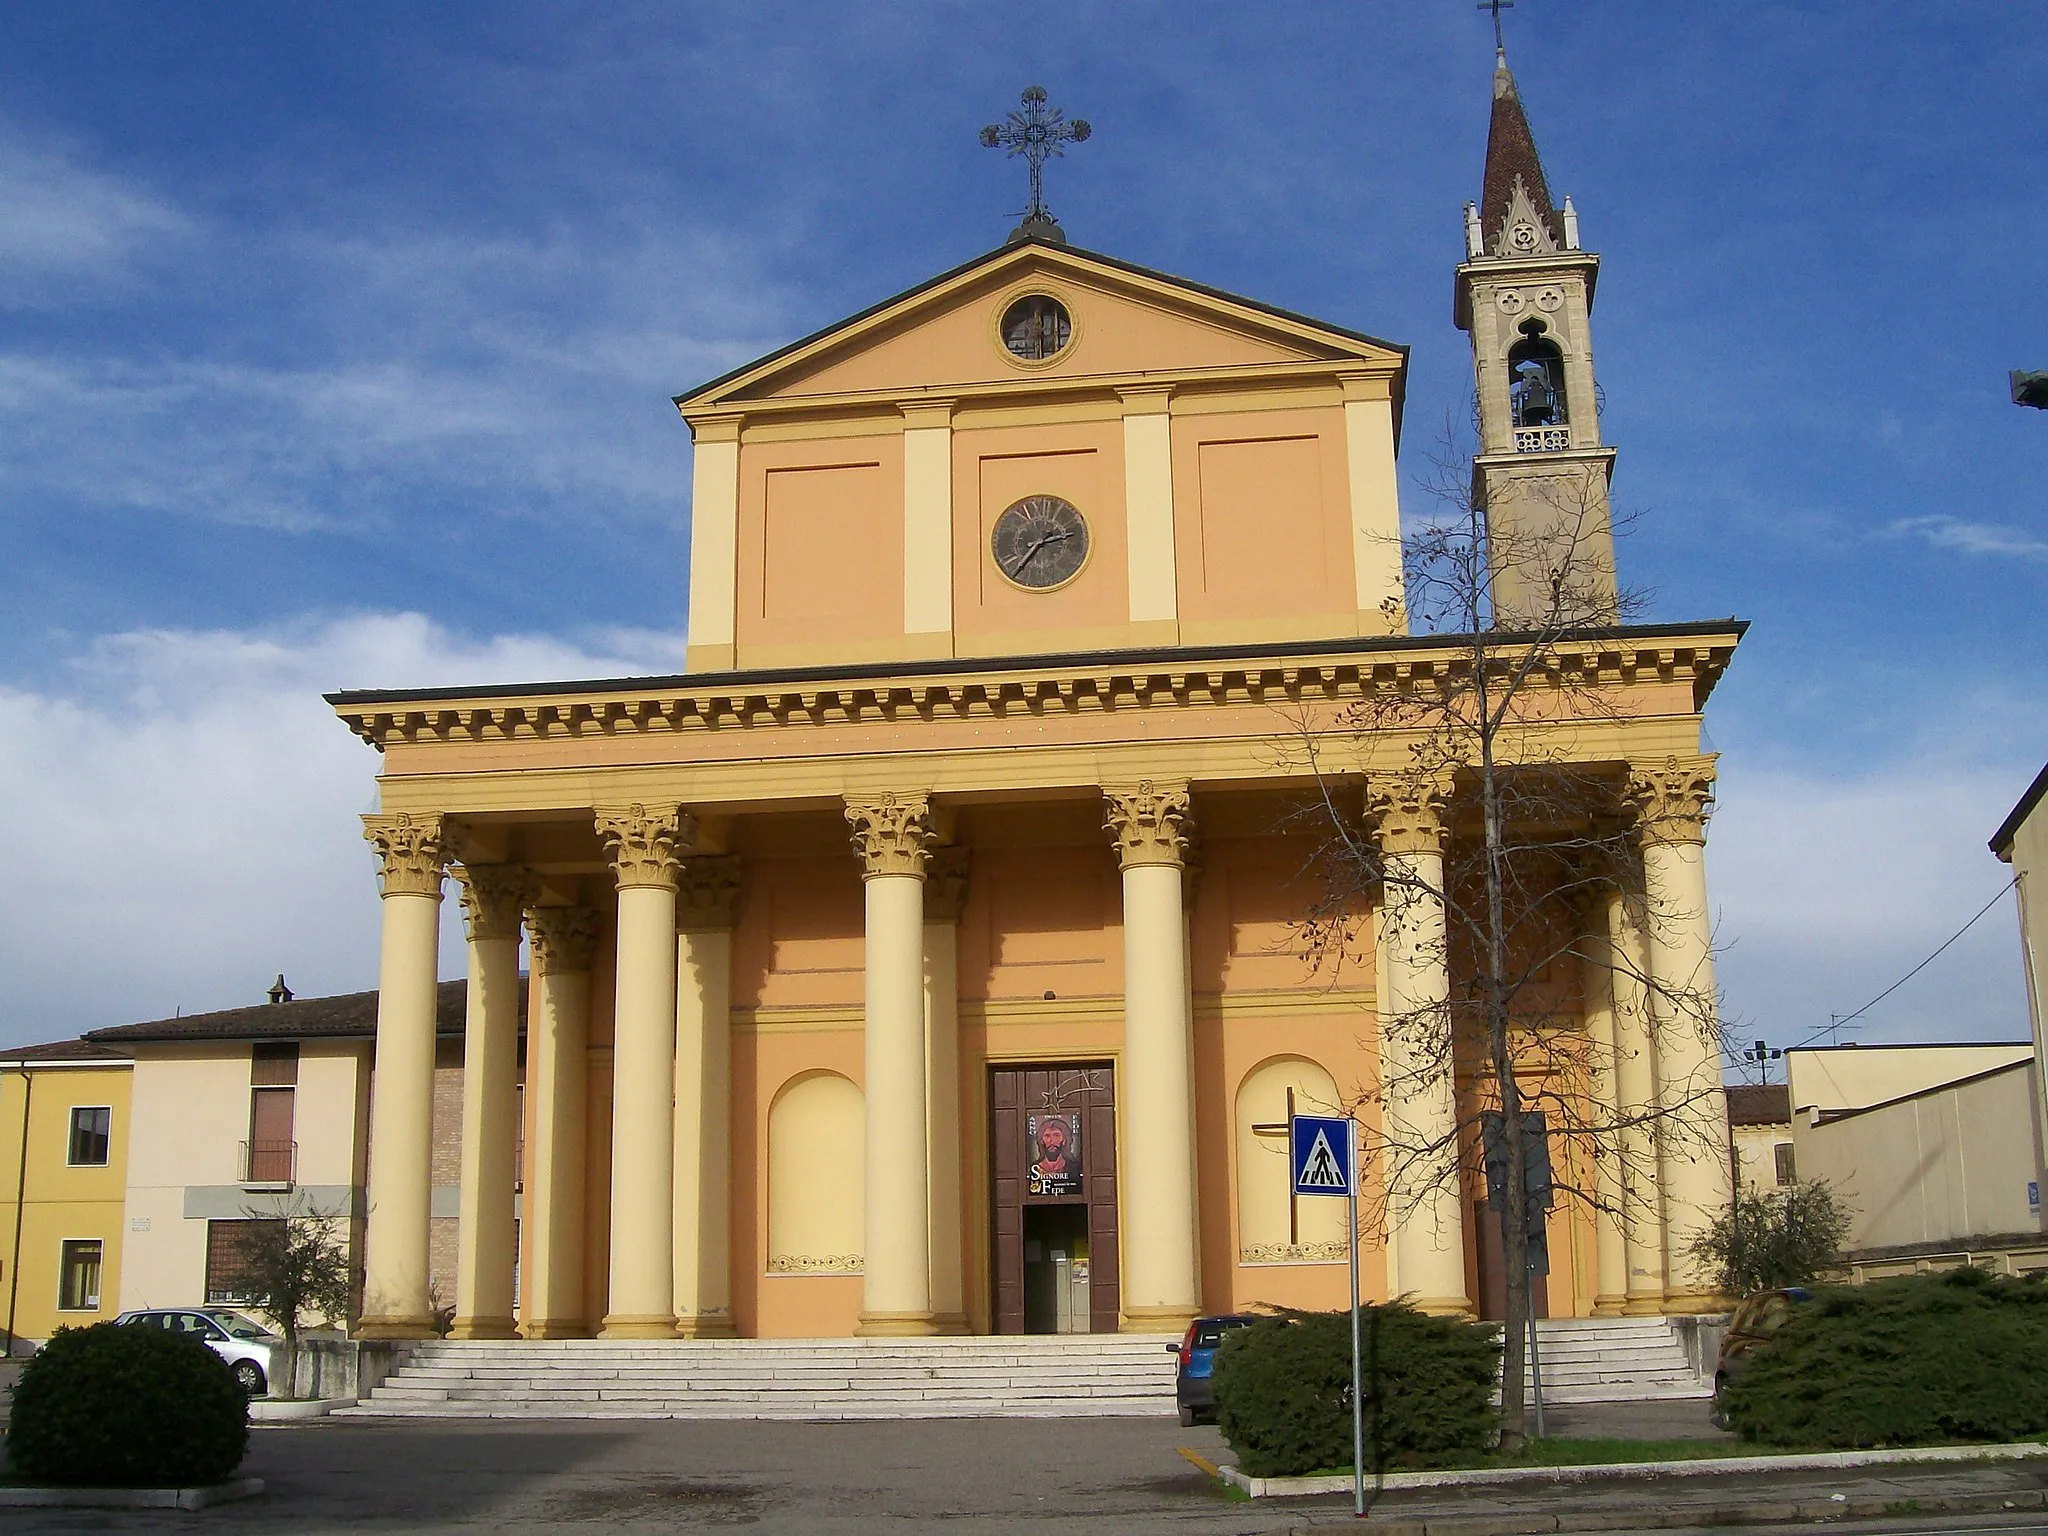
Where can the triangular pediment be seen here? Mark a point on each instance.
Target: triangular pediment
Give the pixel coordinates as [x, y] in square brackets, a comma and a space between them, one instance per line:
[1126, 321]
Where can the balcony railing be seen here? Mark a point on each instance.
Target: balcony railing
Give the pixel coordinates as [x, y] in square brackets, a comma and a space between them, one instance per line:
[1542, 439]
[270, 1164]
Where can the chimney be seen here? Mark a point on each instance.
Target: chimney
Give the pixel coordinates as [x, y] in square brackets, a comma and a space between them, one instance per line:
[279, 992]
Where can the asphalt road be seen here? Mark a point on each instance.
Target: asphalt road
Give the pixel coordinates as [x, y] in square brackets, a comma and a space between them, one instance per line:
[1114, 1475]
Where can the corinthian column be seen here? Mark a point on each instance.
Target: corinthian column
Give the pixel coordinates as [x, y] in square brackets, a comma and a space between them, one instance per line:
[564, 940]
[1425, 1194]
[945, 895]
[645, 842]
[1155, 1089]
[1635, 1083]
[891, 834]
[395, 1302]
[1672, 801]
[703, 1245]
[493, 896]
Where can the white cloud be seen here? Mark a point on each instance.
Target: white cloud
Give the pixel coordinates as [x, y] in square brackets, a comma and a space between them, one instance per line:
[70, 227]
[180, 814]
[1968, 538]
[1829, 888]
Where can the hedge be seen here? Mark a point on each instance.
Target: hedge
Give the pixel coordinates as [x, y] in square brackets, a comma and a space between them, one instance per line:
[1960, 1356]
[1283, 1390]
[114, 1406]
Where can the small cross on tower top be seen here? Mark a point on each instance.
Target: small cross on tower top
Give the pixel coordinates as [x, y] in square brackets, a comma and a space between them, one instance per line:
[1497, 6]
[1037, 132]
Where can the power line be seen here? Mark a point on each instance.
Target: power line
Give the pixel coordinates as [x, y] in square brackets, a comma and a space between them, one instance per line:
[1888, 991]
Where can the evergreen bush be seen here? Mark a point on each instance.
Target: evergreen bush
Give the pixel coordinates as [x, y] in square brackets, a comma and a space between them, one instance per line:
[1906, 1361]
[113, 1406]
[1283, 1390]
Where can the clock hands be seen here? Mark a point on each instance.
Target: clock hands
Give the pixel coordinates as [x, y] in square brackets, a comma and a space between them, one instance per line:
[1032, 553]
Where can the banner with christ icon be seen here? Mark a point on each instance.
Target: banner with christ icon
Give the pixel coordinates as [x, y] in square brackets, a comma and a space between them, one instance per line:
[1053, 1162]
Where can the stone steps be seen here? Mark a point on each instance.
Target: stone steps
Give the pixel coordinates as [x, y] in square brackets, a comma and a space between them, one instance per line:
[1585, 1360]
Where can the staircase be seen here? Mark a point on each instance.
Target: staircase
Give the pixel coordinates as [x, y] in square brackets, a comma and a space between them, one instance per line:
[1614, 1359]
[1071, 1376]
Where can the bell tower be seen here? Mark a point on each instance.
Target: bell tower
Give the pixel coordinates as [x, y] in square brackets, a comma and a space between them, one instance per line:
[1525, 296]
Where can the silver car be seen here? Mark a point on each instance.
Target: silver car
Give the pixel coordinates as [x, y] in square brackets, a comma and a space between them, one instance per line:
[245, 1344]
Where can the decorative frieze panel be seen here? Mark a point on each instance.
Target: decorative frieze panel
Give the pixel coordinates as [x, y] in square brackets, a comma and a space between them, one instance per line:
[817, 1264]
[1294, 1253]
[412, 852]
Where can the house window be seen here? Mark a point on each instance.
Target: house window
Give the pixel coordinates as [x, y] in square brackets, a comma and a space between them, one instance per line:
[78, 1283]
[92, 1135]
[227, 1270]
[1786, 1175]
[273, 1078]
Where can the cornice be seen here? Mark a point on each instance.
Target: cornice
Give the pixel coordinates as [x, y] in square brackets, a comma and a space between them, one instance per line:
[978, 688]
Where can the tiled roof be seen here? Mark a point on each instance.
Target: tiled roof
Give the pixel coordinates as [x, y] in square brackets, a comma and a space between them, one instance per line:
[353, 1014]
[1511, 154]
[1760, 1104]
[61, 1050]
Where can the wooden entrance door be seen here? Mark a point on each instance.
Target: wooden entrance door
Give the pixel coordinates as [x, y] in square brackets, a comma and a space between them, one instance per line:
[1017, 1093]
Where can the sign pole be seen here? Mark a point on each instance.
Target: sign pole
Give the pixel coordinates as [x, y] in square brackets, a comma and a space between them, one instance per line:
[1357, 1393]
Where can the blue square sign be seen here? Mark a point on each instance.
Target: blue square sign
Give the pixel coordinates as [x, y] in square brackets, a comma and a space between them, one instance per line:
[1323, 1154]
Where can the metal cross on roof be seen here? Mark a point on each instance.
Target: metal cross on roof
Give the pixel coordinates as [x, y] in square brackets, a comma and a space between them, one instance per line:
[1497, 6]
[1037, 132]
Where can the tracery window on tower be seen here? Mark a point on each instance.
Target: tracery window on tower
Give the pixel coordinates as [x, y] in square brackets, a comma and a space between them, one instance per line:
[1536, 393]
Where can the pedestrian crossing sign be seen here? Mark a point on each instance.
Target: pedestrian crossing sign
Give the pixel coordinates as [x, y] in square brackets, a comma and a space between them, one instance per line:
[1323, 1154]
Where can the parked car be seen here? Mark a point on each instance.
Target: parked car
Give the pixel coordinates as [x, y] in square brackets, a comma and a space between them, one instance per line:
[1755, 1319]
[1194, 1388]
[250, 1348]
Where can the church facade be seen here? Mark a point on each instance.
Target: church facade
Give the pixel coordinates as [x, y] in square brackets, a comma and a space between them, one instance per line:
[927, 957]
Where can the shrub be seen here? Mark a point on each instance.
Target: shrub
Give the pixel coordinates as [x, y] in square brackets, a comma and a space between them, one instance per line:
[1906, 1361]
[1769, 1240]
[125, 1406]
[1283, 1389]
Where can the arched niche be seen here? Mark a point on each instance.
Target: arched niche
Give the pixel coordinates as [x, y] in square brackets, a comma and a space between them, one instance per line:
[816, 1204]
[1263, 1178]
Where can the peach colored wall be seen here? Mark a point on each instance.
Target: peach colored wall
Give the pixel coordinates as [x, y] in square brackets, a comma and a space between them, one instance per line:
[1116, 332]
[1261, 516]
[781, 1306]
[1081, 461]
[1042, 920]
[821, 544]
[798, 936]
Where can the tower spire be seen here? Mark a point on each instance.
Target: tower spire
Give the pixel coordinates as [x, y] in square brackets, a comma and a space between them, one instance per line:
[1511, 164]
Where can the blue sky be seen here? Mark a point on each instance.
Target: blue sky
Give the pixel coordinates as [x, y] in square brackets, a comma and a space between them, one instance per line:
[336, 346]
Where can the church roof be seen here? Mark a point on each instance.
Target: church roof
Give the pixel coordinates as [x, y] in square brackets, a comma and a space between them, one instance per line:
[1334, 342]
[1511, 156]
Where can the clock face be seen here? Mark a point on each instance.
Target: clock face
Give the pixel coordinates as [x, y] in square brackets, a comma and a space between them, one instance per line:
[1040, 542]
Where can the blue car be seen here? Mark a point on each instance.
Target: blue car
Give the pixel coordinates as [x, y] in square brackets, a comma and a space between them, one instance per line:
[1193, 1387]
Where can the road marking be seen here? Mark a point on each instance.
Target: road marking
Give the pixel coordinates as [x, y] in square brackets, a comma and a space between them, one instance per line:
[1203, 1462]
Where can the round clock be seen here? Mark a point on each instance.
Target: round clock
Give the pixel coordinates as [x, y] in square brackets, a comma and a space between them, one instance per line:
[1040, 542]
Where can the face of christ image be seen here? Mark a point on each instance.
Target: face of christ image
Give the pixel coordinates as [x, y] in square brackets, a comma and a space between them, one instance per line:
[1055, 1156]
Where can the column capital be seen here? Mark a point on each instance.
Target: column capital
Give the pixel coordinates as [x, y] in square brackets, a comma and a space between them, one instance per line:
[494, 896]
[1672, 799]
[412, 852]
[707, 893]
[892, 832]
[564, 938]
[645, 841]
[945, 885]
[1408, 809]
[1150, 822]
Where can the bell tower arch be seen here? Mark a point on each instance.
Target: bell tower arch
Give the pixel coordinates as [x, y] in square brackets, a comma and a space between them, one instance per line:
[1525, 296]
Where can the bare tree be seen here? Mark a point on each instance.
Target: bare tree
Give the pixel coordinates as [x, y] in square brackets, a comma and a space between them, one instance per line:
[1493, 858]
[295, 1269]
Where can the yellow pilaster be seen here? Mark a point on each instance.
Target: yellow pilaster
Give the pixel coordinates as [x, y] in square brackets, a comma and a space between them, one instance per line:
[1635, 1082]
[1610, 1243]
[1148, 514]
[1673, 800]
[1161, 1281]
[558, 1044]
[1425, 1193]
[945, 893]
[892, 833]
[493, 896]
[928, 525]
[1375, 505]
[703, 1090]
[395, 1300]
[645, 842]
[714, 544]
